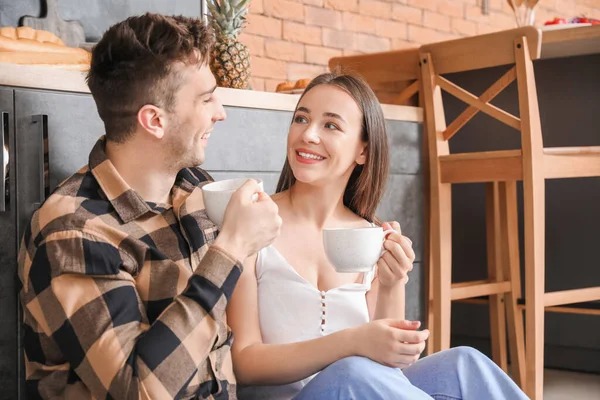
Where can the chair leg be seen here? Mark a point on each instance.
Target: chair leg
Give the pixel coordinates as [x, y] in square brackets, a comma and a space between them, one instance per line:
[509, 231]
[495, 274]
[430, 306]
[534, 285]
[441, 226]
[534, 218]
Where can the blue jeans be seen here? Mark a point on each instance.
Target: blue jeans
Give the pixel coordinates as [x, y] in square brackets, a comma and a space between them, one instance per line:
[457, 373]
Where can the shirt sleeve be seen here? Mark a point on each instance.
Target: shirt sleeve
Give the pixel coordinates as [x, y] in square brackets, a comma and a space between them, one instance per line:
[77, 292]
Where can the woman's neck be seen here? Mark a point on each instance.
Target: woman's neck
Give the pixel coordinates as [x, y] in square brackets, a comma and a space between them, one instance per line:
[321, 205]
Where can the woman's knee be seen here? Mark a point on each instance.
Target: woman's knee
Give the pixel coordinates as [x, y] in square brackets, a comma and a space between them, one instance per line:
[352, 366]
[466, 356]
[466, 353]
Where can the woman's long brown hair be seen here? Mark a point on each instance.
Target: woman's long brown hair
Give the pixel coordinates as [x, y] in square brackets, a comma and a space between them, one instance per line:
[366, 185]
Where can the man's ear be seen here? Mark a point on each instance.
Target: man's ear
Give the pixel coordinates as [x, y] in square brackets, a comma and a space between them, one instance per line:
[153, 120]
[362, 157]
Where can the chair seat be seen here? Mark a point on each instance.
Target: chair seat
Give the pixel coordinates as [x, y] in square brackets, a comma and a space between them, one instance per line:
[507, 165]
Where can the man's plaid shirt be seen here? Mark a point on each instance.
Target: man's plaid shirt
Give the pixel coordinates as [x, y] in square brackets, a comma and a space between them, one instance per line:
[122, 298]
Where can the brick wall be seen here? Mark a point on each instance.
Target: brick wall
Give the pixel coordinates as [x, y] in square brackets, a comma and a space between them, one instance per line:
[293, 39]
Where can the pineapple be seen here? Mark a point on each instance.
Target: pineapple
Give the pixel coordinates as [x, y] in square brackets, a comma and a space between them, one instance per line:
[230, 61]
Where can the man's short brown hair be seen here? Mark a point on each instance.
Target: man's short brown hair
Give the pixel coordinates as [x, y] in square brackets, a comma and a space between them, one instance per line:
[132, 66]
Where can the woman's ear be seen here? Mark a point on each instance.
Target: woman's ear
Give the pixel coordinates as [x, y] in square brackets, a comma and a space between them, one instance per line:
[362, 157]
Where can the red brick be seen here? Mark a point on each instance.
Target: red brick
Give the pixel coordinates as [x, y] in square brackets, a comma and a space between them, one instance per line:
[411, 15]
[321, 55]
[284, 50]
[498, 4]
[430, 5]
[263, 26]
[338, 39]
[594, 14]
[323, 17]
[422, 35]
[342, 5]
[318, 3]
[502, 21]
[257, 84]
[483, 28]
[462, 27]
[255, 44]
[372, 44]
[358, 23]
[436, 21]
[391, 29]
[351, 52]
[451, 8]
[284, 9]
[474, 13]
[295, 32]
[267, 68]
[301, 71]
[256, 7]
[542, 15]
[375, 8]
[399, 44]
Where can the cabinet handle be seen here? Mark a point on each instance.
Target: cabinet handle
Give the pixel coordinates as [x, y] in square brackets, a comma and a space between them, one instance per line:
[4, 199]
[42, 125]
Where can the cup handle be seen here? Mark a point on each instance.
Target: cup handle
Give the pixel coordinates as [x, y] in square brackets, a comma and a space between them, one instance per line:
[385, 233]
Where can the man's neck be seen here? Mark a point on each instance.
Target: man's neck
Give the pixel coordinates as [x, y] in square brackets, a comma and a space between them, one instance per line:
[141, 166]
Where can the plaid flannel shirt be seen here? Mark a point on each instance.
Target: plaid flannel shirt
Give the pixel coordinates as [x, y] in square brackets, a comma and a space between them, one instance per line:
[122, 298]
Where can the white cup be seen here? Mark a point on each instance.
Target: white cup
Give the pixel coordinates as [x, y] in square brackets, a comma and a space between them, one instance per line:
[217, 195]
[354, 249]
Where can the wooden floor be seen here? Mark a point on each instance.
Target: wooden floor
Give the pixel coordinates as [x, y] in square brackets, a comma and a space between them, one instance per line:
[565, 385]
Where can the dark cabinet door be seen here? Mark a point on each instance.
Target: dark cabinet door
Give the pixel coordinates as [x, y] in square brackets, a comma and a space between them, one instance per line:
[56, 132]
[9, 325]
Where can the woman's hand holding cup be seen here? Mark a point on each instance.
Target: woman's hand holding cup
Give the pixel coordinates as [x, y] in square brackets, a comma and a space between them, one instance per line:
[397, 261]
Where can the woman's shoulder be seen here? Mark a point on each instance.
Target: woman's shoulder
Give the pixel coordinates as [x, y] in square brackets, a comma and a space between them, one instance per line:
[281, 199]
[279, 195]
[355, 221]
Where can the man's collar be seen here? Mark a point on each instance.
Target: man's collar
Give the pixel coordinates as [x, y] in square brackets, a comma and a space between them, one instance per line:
[126, 201]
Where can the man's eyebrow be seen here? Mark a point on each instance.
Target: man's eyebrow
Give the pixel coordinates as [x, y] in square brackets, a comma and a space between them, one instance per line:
[303, 109]
[208, 91]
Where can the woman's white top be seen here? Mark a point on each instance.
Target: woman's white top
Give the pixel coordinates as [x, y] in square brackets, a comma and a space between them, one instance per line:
[291, 309]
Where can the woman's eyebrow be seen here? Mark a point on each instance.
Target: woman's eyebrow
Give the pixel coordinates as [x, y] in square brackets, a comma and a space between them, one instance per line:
[334, 115]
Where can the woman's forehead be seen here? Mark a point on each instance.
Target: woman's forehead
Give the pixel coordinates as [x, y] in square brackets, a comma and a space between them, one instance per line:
[329, 98]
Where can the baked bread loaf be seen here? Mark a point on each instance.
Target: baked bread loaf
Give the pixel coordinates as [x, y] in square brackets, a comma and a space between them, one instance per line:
[25, 45]
[302, 83]
[284, 86]
[25, 32]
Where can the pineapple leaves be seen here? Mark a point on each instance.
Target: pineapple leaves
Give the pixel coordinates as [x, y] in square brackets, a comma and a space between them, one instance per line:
[228, 16]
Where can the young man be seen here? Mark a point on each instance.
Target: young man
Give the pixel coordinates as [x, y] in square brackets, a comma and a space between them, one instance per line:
[124, 283]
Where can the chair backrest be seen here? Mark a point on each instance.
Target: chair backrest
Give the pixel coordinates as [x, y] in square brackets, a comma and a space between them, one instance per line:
[517, 47]
[482, 51]
[388, 73]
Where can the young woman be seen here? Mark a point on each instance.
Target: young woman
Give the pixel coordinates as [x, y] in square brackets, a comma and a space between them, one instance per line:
[301, 329]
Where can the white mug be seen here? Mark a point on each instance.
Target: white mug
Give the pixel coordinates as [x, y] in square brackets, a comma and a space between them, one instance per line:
[354, 249]
[217, 195]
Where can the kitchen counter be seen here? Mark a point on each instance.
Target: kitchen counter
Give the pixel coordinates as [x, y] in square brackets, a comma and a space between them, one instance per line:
[49, 78]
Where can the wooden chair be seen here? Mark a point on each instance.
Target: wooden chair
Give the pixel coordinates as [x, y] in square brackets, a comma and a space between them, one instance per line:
[395, 78]
[500, 170]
